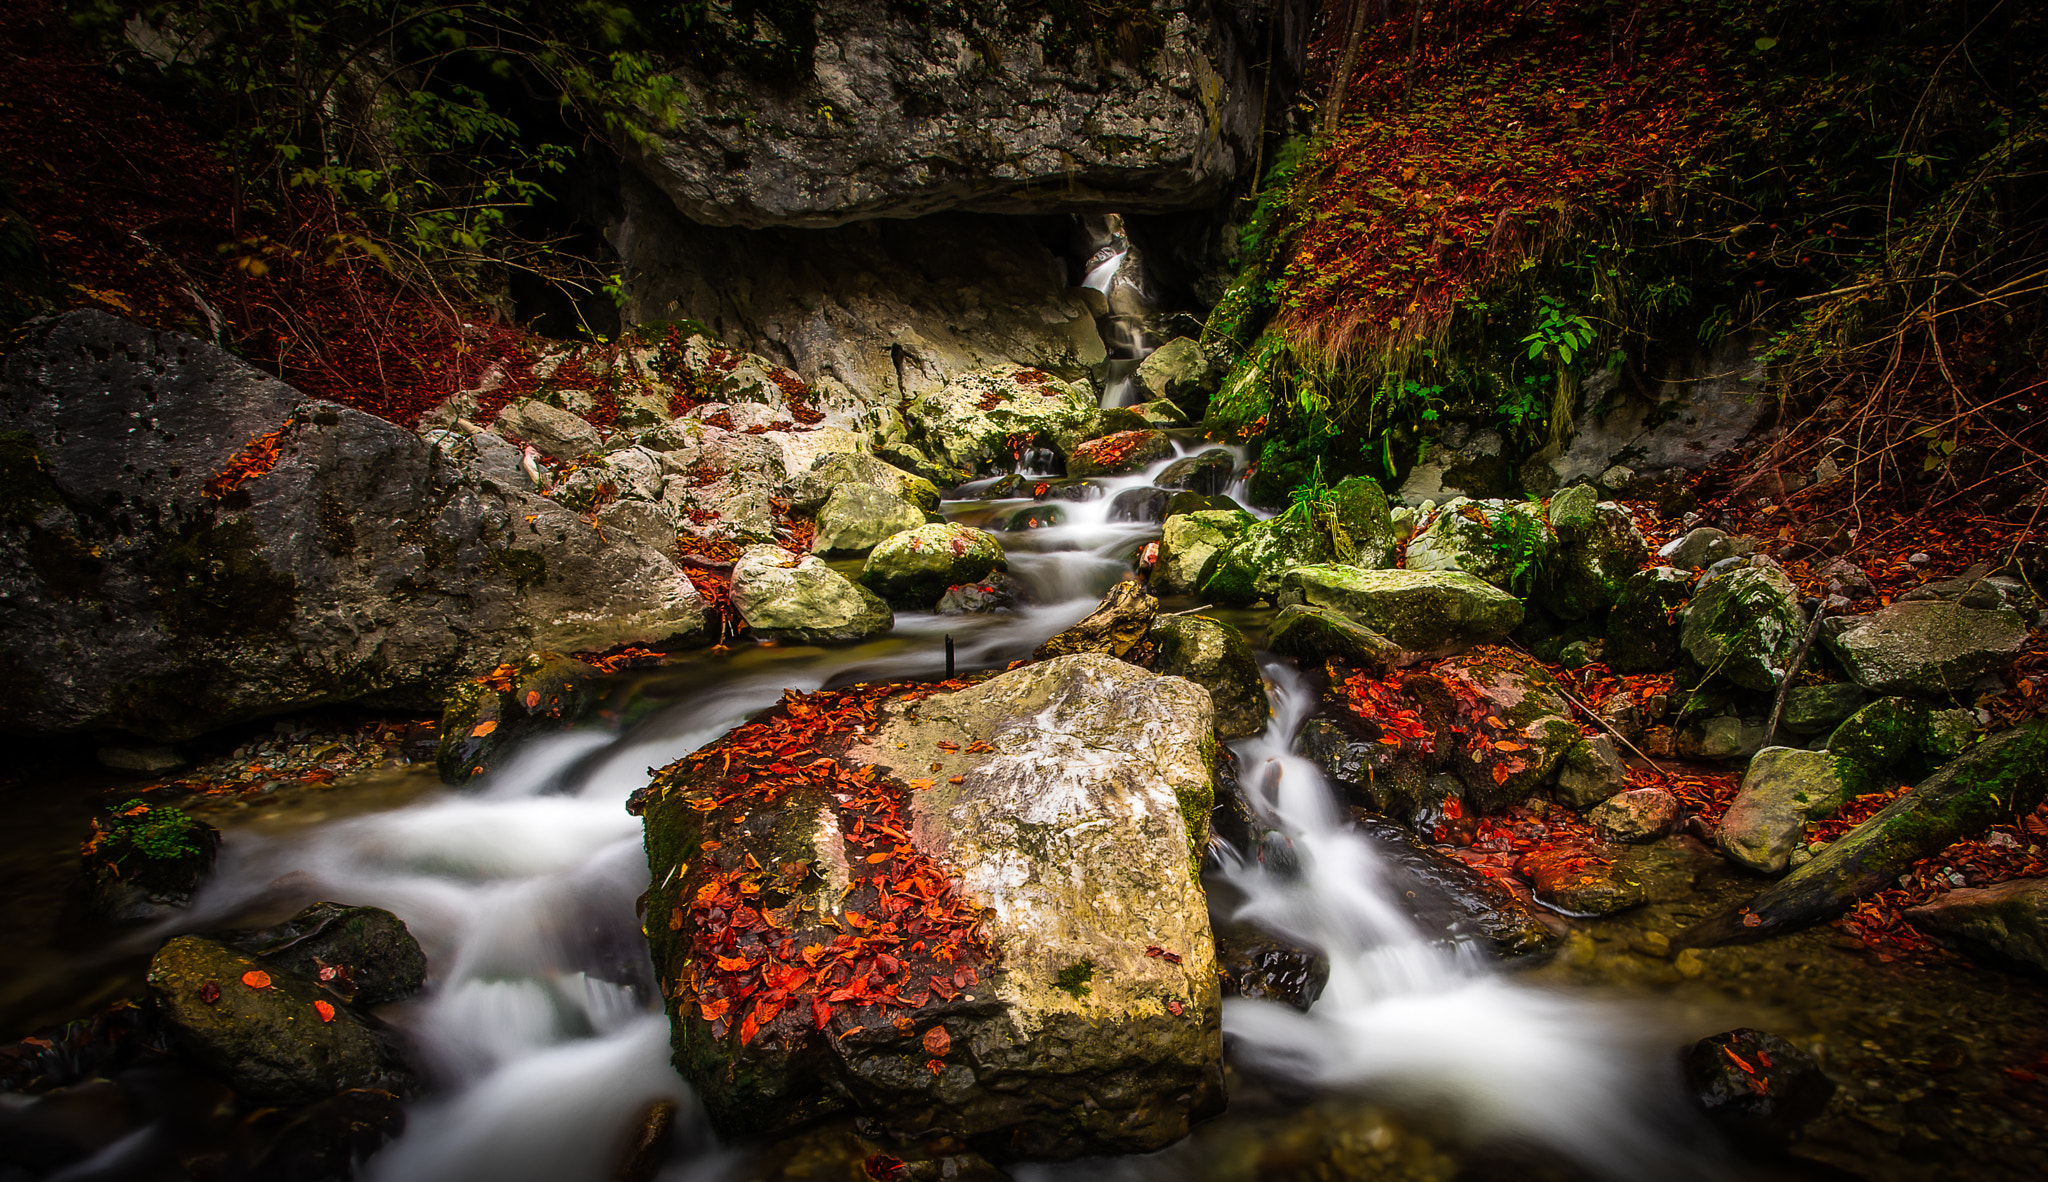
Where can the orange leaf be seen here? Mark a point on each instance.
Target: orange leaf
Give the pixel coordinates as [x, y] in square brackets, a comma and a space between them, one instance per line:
[483, 728]
[325, 1011]
[256, 979]
[532, 699]
[884, 856]
[748, 1029]
[1507, 746]
[937, 1067]
[937, 1042]
[734, 964]
[714, 1010]
[919, 785]
[957, 780]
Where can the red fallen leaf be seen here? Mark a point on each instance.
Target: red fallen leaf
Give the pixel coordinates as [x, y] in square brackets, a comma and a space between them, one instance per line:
[938, 1067]
[937, 1042]
[714, 1010]
[748, 1029]
[1175, 1008]
[1752, 920]
[1738, 1061]
[883, 1168]
[734, 964]
[256, 979]
[1155, 951]
[948, 745]
[821, 1014]
[325, 1011]
[482, 728]
[957, 780]
[209, 993]
[944, 988]
[532, 699]
[1763, 1060]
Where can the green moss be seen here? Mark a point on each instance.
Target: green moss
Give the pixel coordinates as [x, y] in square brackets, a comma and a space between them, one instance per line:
[1074, 979]
[25, 485]
[156, 832]
[526, 568]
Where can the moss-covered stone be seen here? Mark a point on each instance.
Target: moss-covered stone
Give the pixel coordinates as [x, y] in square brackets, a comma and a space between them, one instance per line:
[1431, 613]
[1509, 545]
[1926, 647]
[912, 569]
[485, 717]
[1252, 567]
[1643, 635]
[1363, 513]
[1312, 635]
[1216, 657]
[1743, 626]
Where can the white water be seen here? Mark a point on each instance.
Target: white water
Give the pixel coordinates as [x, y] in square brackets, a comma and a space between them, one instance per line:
[539, 1029]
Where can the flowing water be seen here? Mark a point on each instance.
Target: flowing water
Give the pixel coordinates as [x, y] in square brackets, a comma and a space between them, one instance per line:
[541, 1032]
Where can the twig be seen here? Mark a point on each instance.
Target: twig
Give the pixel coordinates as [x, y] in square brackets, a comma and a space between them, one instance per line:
[1792, 670]
[1604, 724]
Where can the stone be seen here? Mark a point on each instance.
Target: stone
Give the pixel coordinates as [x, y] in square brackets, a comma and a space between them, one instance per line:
[1445, 895]
[1119, 454]
[1580, 883]
[1428, 613]
[1312, 635]
[1191, 502]
[1711, 402]
[1724, 737]
[1072, 1040]
[649, 525]
[1928, 647]
[143, 761]
[1218, 658]
[1504, 543]
[1207, 473]
[331, 577]
[1591, 568]
[1642, 634]
[556, 434]
[1818, 709]
[911, 570]
[1639, 814]
[541, 693]
[1139, 504]
[809, 491]
[1589, 772]
[1571, 512]
[858, 517]
[1757, 1088]
[1365, 521]
[1252, 567]
[1120, 621]
[784, 597]
[997, 593]
[145, 861]
[365, 953]
[1180, 372]
[271, 1044]
[2006, 923]
[969, 422]
[1524, 702]
[1784, 790]
[1189, 545]
[1257, 965]
[1743, 626]
[1698, 549]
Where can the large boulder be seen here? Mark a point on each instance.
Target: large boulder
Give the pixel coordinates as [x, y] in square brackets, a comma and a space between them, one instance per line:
[1189, 545]
[784, 597]
[914, 568]
[1431, 613]
[275, 1038]
[1251, 568]
[1508, 545]
[1181, 373]
[1643, 634]
[1925, 646]
[1598, 553]
[1503, 723]
[973, 914]
[1744, 626]
[194, 543]
[554, 433]
[1784, 790]
[880, 112]
[972, 422]
[859, 517]
[1218, 658]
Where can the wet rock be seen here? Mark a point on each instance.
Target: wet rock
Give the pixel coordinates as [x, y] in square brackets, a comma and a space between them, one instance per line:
[1818, 709]
[996, 593]
[143, 761]
[1642, 632]
[1641, 814]
[274, 1043]
[1260, 966]
[810, 491]
[1503, 543]
[554, 433]
[1446, 895]
[1073, 1040]
[1077, 491]
[1597, 556]
[1216, 657]
[1312, 635]
[1121, 620]
[1757, 1088]
[145, 861]
[1503, 760]
[1182, 373]
[1784, 790]
[1206, 473]
[784, 597]
[911, 570]
[1583, 883]
[2006, 923]
[858, 517]
[1139, 504]
[1895, 739]
[972, 420]
[487, 716]
[1590, 771]
[1364, 529]
[1431, 613]
[1191, 502]
[1252, 567]
[323, 1140]
[1925, 647]
[1699, 549]
[647, 1142]
[1354, 763]
[2000, 775]
[1027, 517]
[1115, 455]
[364, 954]
[1743, 626]
[1190, 544]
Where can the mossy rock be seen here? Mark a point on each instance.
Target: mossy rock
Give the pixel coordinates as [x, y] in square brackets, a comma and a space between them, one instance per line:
[1120, 453]
[913, 569]
[1366, 518]
[368, 954]
[1218, 658]
[1430, 613]
[1252, 567]
[1744, 625]
[483, 718]
[1509, 545]
[1643, 634]
[784, 597]
[1312, 635]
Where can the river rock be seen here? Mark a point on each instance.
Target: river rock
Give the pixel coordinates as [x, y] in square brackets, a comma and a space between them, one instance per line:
[784, 597]
[1312, 635]
[1191, 502]
[1446, 895]
[485, 717]
[143, 593]
[2008, 922]
[1637, 815]
[1139, 504]
[996, 593]
[1924, 646]
[1252, 567]
[971, 421]
[649, 525]
[1516, 726]
[1583, 882]
[1506, 544]
[1115, 455]
[1590, 771]
[273, 1044]
[1599, 552]
[858, 517]
[1699, 549]
[809, 491]
[1757, 1088]
[1260, 966]
[1784, 790]
[1643, 635]
[364, 954]
[1189, 545]
[1216, 657]
[1207, 473]
[1818, 709]
[911, 570]
[1365, 523]
[1430, 613]
[146, 860]
[1743, 625]
[1120, 621]
[554, 433]
[1180, 372]
[1053, 851]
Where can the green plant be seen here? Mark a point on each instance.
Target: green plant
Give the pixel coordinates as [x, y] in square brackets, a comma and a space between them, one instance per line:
[1074, 979]
[157, 832]
[1559, 336]
[1518, 541]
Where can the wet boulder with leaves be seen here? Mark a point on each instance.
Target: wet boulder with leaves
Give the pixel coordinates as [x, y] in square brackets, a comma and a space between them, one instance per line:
[145, 860]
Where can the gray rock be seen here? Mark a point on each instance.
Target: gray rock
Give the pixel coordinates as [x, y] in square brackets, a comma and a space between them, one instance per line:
[1757, 1088]
[1252, 567]
[145, 761]
[1643, 635]
[1589, 772]
[783, 597]
[969, 422]
[1698, 549]
[1784, 790]
[1180, 372]
[1637, 815]
[1506, 544]
[913, 569]
[1139, 504]
[1190, 544]
[361, 565]
[2008, 921]
[1599, 553]
[1712, 403]
[1216, 657]
[1312, 635]
[1207, 473]
[1926, 647]
[859, 517]
[1432, 613]
[639, 521]
[364, 954]
[1743, 626]
[809, 491]
[554, 433]
[1721, 737]
[1818, 709]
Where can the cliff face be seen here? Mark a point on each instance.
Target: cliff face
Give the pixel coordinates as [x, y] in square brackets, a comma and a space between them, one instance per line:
[900, 118]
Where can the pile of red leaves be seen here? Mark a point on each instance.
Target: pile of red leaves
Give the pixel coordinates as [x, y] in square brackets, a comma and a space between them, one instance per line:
[1110, 451]
[905, 932]
[258, 456]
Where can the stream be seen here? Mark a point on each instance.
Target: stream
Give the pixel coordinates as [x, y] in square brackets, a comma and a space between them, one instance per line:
[543, 1040]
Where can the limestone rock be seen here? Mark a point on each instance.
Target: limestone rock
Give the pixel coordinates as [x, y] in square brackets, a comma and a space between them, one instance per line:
[1698, 549]
[1180, 372]
[1590, 771]
[815, 485]
[913, 569]
[649, 525]
[1926, 647]
[1594, 565]
[1743, 625]
[554, 433]
[969, 422]
[1216, 657]
[1784, 790]
[1431, 613]
[1189, 544]
[1118, 454]
[1366, 522]
[1818, 709]
[783, 597]
[859, 517]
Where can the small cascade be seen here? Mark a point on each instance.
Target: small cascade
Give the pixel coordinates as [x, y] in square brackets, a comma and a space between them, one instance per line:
[1116, 270]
